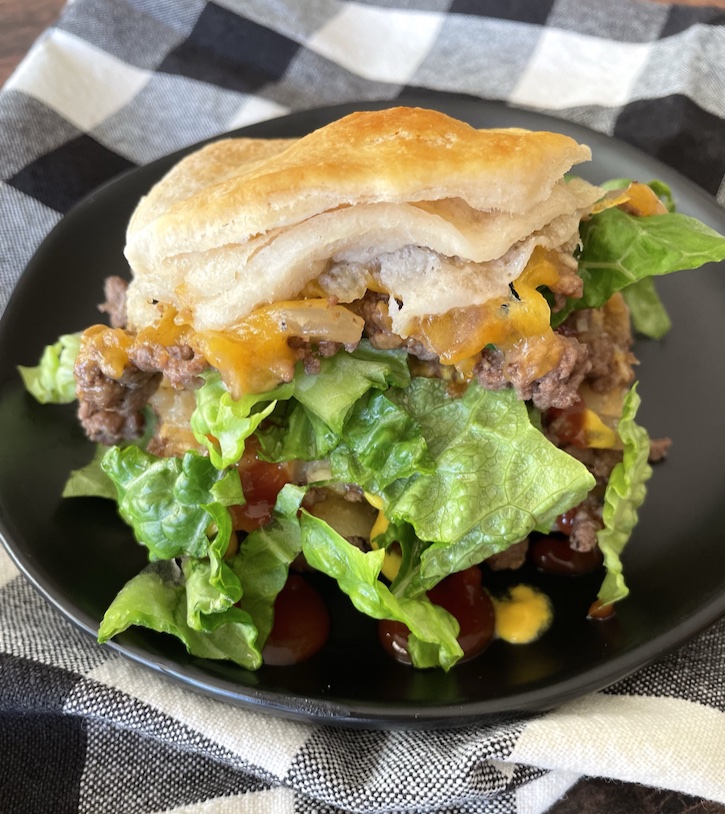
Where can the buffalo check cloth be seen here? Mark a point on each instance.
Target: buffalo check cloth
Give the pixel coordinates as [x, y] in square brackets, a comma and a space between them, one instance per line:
[117, 83]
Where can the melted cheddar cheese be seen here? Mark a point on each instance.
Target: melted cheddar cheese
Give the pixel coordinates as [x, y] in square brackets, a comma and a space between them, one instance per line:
[108, 347]
[520, 320]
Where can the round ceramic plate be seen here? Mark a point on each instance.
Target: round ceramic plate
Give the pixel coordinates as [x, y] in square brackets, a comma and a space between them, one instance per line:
[79, 554]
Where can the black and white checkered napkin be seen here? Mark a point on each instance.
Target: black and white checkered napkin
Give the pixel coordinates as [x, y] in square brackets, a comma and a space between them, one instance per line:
[117, 83]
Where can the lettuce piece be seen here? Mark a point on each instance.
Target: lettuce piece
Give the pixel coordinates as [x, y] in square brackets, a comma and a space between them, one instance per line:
[51, 380]
[433, 630]
[263, 560]
[620, 249]
[381, 443]
[219, 609]
[292, 433]
[223, 424]
[345, 377]
[624, 495]
[648, 314]
[158, 599]
[174, 505]
[496, 477]
[90, 480]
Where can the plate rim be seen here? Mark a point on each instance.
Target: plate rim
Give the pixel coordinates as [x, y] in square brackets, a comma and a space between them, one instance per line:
[369, 713]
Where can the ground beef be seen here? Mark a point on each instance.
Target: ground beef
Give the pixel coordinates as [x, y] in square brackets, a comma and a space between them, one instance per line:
[510, 559]
[180, 364]
[607, 334]
[310, 352]
[114, 290]
[600, 462]
[569, 284]
[360, 543]
[584, 523]
[490, 369]
[111, 410]
[558, 388]
[658, 449]
[373, 308]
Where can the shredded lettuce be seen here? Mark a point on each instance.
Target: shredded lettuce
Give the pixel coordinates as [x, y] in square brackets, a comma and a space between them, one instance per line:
[159, 598]
[293, 433]
[223, 424]
[496, 477]
[90, 480]
[620, 249]
[218, 609]
[433, 630]
[646, 310]
[51, 380]
[381, 443]
[345, 377]
[262, 563]
[174, 505]
[624, 495]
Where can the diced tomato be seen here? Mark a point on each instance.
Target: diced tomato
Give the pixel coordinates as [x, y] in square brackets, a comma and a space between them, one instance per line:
[462, 595]
[261, 483]
[568, 423]
[301, 624]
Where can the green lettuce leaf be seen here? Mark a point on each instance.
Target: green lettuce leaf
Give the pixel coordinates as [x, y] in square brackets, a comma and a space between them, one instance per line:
[219, 609]
[51, 380]
[433, 630]
[305, 429]
[173, 504]
[381, 443]
[292, 433]
[159, 598]
[262, 563]
[647, 312]
[345, 377]
[223, 424]
[624, 495]
[90, 480]
[496, 477]
[620, 249]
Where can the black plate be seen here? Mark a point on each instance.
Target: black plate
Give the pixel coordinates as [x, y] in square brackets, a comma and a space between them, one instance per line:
[78, 554]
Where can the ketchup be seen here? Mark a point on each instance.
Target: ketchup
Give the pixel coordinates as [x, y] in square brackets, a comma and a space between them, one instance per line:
[463, 596]
[569, 424]
[597, 610]
[553, 555]
[301, 624]
[261, 483]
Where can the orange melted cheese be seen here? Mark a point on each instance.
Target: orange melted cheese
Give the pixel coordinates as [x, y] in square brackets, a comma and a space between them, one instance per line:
[108, 347]
[506, 322]
[642, 201]
[255, 356]
[252, 359]
[169, 330]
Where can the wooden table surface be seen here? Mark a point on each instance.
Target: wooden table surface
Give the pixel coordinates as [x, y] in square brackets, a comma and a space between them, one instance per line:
[21, 21]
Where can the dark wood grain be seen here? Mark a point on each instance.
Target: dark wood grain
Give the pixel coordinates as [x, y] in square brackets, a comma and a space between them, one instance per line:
[21, 21]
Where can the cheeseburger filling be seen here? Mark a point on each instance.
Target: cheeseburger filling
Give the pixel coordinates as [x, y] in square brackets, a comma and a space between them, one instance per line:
[395, 355]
